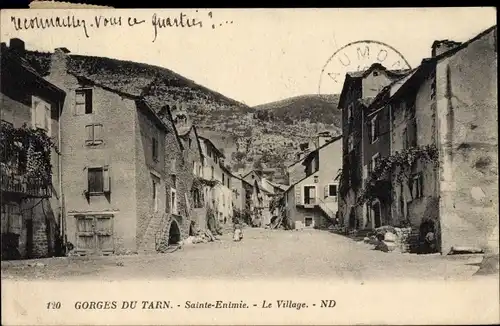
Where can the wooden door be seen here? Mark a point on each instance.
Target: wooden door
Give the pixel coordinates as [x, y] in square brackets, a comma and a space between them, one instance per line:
[94, 234]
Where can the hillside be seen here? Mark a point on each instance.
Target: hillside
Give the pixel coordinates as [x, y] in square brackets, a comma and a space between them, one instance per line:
[269, 133]
[314, 108]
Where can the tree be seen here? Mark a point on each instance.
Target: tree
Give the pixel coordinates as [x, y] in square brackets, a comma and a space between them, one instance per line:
[238, 156]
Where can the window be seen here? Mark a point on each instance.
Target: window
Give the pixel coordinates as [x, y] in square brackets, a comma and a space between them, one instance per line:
[174, 181]
[213, 174]
[156, 185]
[309, 195]
[154, 144]
[94, 134]
[223, 178]
[41, 115]
[374, 129]
[83, 101]
[228, 182]
[190, 141]
[173, 201]
[98, 180]
[416, 186]
[332, 190]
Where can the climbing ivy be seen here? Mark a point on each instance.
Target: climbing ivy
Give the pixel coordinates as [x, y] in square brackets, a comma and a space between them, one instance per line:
[398, 168]
[200, 182]
[26, 150]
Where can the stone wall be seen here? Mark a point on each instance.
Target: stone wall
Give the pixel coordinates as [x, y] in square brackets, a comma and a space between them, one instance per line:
[468, 117]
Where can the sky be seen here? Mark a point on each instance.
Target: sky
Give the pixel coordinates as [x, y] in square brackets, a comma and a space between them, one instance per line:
[254, 56]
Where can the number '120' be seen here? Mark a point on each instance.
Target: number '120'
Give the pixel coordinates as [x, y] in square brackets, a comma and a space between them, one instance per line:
[53, 305]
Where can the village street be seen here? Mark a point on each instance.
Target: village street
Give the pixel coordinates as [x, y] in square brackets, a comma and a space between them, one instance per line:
[262, 253]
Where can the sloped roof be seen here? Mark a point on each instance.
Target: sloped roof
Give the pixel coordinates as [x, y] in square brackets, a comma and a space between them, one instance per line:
[363, 73]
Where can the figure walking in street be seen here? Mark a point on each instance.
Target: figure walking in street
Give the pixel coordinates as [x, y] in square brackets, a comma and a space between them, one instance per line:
[238, 232]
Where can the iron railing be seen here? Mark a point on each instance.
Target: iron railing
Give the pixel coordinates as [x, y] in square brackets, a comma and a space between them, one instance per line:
[24, 186]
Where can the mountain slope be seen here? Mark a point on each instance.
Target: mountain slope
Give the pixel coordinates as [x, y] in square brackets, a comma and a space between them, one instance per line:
[268, 133]
[313, 107]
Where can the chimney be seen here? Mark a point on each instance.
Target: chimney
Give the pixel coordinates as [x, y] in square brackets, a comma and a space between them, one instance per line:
[439, 47]
[17, 47]
[59, 61]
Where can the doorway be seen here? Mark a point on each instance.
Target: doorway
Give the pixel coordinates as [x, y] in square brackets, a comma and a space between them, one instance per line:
[174, 234]
[352, 219]
[94, 234]
[377, 214]
[309, 195]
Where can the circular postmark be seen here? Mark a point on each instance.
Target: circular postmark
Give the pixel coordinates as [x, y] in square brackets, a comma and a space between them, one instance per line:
[357, 56]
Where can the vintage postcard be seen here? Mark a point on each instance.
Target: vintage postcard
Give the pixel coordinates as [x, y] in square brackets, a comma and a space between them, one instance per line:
[249, 166]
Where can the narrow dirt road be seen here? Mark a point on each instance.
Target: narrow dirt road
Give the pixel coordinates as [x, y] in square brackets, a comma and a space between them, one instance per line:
[262, 253]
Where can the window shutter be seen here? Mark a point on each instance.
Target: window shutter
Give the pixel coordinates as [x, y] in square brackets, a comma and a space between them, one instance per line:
[98, 132]
[85, 179]
[173, 166]
[89, 132]
[325, 190]
[48, 120]
[106, 179]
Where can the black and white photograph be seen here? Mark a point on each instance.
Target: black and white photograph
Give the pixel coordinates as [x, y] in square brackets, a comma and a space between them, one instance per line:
[348, 157]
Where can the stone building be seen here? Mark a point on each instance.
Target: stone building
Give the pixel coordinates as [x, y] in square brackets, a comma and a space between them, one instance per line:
[443, 117]
[359, 89]
[31, 200]
[313, 200]
[219, 196]
[123, 163]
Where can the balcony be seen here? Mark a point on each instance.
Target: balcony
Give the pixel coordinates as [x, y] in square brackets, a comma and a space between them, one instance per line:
[22, 186]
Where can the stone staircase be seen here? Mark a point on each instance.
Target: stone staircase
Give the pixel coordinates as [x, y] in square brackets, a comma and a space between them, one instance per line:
[153, 232]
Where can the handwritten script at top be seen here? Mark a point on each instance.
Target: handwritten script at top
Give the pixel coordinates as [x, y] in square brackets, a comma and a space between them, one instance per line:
[181, 20]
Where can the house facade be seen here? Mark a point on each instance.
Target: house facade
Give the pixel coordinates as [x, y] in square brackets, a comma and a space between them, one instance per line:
[220, 195]
[436, 169]
[198, 209]
[31, 191]
[360, 88]
[122, 163]
[313, 201]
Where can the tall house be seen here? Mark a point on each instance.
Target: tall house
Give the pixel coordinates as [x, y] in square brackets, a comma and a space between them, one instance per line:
[120, 160]
[359, 89]
[313, 200]
[220, 196]
[31, 192]
[440, 151]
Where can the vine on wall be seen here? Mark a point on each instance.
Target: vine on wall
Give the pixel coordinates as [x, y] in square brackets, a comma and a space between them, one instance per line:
[26, 150]
[398, 167]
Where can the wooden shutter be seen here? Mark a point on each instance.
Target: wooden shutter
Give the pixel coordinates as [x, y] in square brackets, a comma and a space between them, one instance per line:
[48, 120]
[104, 233]
[90, 133]
[173, 168]
[97, 133]
[106, 179]
[86, 179]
